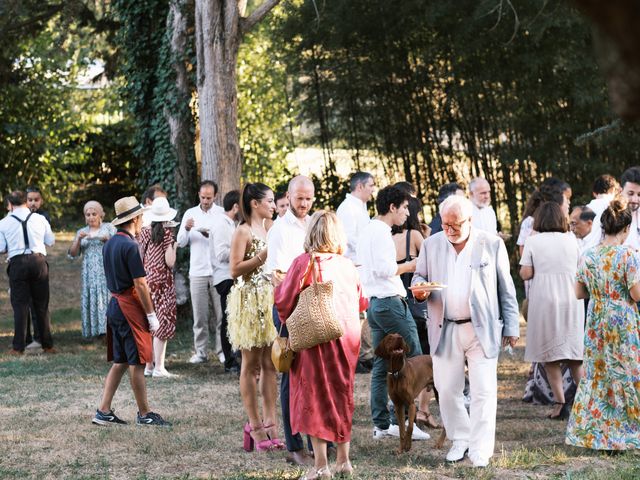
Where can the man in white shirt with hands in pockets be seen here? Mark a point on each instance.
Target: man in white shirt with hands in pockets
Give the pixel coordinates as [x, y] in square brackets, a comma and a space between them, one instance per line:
[194, 232]
[467, 321]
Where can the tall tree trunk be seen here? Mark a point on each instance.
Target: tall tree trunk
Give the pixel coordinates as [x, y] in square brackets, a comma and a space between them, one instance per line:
[179, 115]
[219, 31]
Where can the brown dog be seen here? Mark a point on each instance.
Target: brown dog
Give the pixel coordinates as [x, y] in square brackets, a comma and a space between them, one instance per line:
[406, 378]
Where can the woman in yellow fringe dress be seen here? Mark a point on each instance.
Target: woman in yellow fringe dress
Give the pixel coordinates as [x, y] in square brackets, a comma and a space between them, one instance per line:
[250, 320]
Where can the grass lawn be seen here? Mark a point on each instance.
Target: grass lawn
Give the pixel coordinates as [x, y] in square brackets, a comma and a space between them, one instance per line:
[46, 405]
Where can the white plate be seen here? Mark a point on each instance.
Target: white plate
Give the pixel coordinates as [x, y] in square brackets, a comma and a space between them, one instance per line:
[427, 288]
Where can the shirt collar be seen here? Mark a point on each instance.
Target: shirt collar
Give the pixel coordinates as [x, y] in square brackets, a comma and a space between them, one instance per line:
[468, 246]
[355, 200]
[293, 220]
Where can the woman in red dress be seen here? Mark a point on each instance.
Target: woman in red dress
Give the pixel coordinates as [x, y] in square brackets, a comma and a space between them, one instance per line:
[322, 377]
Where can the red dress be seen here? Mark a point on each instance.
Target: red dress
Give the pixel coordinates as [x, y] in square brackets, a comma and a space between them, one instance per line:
[321, 378]
[160, 281]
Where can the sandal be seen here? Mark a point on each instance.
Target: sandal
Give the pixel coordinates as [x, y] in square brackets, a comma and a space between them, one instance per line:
[426, 419]
[344, 470]
[276, 442]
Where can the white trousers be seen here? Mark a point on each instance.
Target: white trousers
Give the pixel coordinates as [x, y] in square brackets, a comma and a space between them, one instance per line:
[478, 427]
[205, 321]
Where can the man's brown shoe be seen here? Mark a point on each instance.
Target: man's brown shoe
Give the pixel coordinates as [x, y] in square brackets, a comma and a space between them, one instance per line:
[15, 352]
[50, 350]
[300, 457]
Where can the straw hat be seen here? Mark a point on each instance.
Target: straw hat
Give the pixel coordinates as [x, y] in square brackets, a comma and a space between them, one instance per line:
[126, 209]
[160, 211]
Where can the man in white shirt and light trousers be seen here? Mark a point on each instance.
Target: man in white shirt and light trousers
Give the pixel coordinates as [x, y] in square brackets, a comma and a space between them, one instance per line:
[354, 216]
[194, 232]
[467, 321]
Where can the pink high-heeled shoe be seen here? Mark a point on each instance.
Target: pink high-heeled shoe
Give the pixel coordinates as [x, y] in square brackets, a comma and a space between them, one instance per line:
[249, 443]
[276, 442]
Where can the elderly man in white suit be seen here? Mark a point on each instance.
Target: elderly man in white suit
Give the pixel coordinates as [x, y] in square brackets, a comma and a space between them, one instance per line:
[468, 320]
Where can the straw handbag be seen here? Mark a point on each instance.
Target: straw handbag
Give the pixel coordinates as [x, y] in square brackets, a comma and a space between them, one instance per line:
[281, 353]
[314, 320]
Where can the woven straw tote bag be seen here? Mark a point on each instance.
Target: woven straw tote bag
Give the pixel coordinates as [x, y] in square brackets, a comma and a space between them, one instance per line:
[314, 320]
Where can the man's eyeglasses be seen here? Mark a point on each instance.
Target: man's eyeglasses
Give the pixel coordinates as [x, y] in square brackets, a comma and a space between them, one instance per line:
[455, 226]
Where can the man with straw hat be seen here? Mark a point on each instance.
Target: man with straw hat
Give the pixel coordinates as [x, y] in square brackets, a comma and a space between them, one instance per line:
[130, 316]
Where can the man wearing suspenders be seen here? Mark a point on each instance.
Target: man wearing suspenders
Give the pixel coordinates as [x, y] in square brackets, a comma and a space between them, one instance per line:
[23, 235]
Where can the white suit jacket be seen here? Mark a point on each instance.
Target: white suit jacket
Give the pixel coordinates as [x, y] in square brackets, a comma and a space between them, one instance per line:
[492, 299]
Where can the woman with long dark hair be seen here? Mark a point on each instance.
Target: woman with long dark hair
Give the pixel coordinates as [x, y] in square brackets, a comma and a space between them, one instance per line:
[250, 318]
[158, 252]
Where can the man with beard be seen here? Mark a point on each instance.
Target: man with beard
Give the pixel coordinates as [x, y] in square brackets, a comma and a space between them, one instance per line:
[630, 182]
[285, 241]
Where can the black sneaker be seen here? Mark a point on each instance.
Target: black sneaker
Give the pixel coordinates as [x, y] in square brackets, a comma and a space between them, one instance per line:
[108, 418]
[152, 419]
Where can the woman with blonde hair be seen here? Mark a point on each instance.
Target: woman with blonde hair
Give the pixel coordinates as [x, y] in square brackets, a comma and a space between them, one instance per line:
[250, 318]
[94, 295]
[322, 378]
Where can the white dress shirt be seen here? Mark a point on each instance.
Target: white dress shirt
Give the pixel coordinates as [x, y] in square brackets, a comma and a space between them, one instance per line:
[285, 241]
[458, 292]
[485, 219]
[376, 255]
[354, 216]
[200, 261]
[12, 237]
[633, 240]
[526, 229]
[598, 205]
[222, 229]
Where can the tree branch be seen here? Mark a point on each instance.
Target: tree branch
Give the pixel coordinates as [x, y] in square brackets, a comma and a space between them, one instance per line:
[258, 14]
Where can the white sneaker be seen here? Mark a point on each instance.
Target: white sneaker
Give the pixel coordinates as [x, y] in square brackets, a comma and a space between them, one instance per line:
[478, 461]
[197, 359]
[34, 346]
[163, 374]
[394, 431]
[148, 373]
[457, 452]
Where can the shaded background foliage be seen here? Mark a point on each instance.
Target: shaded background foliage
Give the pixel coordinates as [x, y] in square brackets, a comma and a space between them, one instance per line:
[435, 91]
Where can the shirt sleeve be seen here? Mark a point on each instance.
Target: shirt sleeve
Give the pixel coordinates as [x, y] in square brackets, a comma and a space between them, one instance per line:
[222, 244]
[3, 243]
[421, 274]
[526, 228]
[527, 254]
[183, 235]
[275, 251]
[286, 294]
[632, 269]
[49, 238]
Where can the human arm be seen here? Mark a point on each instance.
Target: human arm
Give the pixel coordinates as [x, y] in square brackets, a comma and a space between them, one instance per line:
[507, 296]
[526, 261]
[582, 292]
[420, 274]
[183, 232]
[142, 289]
[221, 243]
[237, 264]
[74, 249]
[286, 293]
[49, 238]
[632, 274]
[170, 247]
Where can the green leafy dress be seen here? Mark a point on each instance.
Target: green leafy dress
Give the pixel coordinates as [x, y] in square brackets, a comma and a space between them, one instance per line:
[606, 411]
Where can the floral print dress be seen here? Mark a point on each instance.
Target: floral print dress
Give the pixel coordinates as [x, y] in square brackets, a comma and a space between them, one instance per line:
[606, 411]
[95, 295]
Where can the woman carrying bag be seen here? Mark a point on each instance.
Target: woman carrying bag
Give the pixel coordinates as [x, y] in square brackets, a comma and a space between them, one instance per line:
[322, 377]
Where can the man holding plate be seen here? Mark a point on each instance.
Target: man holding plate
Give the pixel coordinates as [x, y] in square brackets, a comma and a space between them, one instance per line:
[468, 321]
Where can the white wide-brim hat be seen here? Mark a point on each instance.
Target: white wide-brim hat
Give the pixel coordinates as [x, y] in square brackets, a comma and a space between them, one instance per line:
[160, 211]
[127, 208]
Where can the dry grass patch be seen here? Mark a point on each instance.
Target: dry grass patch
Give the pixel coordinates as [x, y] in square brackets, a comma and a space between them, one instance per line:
[46, 404]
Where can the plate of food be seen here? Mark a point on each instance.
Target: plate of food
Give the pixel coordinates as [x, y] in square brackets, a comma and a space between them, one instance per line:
[427, 287]
[202, 230]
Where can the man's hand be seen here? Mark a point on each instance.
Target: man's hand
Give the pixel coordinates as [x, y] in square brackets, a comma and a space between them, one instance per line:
[154, 324]
[188, 225]
[421, 296]
[511, 341]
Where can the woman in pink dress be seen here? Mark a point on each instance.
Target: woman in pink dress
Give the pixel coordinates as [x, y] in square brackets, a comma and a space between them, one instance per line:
[322, 377]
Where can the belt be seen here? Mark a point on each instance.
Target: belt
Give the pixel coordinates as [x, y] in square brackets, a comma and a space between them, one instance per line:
[458, 321]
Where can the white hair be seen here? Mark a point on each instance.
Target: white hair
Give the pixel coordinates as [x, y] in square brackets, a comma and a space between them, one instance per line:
[457, 202]
[476, 181]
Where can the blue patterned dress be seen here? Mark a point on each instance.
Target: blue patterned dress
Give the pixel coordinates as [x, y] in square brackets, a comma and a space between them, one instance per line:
[606, 411]
[95, 295]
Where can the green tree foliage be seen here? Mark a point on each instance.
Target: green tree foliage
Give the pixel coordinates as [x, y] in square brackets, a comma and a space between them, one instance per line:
[444, 91]
[265, 112]
[48, 126]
